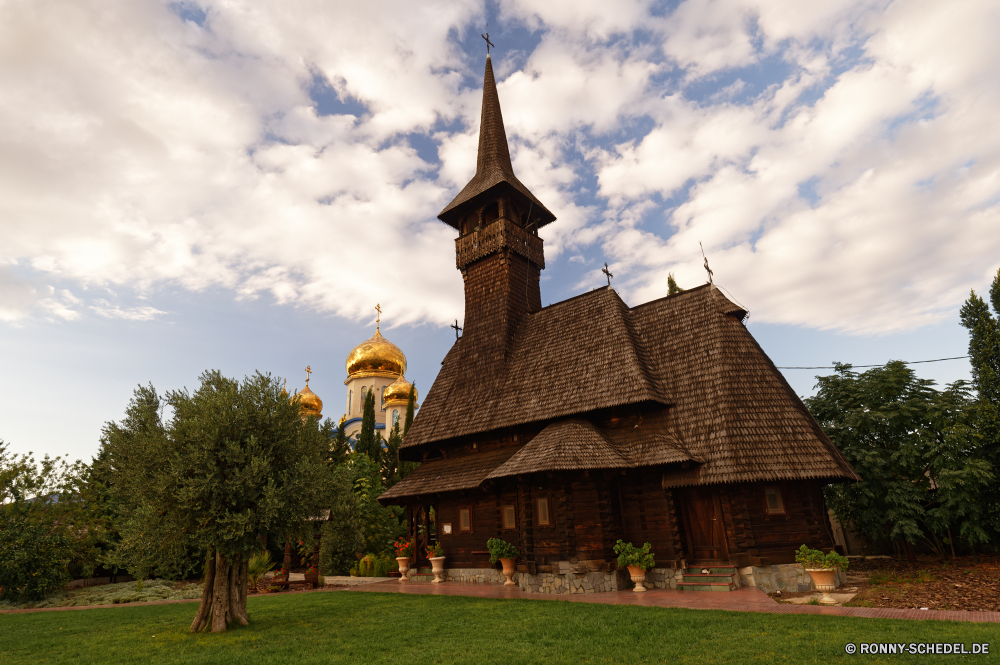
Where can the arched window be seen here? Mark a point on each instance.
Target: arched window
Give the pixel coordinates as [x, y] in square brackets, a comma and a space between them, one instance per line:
[395, 417]
[383, 399]
[350, 398]
[364, 396]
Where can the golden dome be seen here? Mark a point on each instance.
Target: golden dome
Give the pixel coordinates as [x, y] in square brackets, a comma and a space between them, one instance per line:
[309, 402]
[375, 356]
[398, 392]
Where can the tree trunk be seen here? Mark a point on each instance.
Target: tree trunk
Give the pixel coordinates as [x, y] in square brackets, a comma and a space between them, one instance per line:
[224, 600]
[201, 618]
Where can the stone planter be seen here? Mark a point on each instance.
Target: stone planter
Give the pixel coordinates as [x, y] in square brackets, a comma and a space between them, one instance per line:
[508, 571]
[825, 581]
[404, 567]
[437, 567]
[638, 576]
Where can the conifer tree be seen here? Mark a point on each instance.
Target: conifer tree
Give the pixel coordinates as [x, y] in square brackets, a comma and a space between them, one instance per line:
[366, 439]
[672, 287]
[984, 355]
[410, 406]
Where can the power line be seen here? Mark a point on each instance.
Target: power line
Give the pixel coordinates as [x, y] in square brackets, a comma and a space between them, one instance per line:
[905, 362]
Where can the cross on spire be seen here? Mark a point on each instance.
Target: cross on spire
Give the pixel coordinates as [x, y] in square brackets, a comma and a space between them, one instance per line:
[378, 316]
[487, 38]
[308, 373]
[607, 273]
[457, 328]
[707, 269]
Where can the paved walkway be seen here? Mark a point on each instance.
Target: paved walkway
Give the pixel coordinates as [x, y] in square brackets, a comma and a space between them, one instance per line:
[744, 599]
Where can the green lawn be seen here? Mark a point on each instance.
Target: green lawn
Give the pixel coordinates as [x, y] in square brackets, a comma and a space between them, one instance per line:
[356, 627]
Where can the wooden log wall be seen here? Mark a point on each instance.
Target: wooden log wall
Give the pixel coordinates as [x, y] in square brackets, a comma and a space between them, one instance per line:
[777, 537]
[649, 515]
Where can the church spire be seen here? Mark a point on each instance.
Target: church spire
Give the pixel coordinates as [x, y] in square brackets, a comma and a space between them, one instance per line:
[494, 154]
[494, 171]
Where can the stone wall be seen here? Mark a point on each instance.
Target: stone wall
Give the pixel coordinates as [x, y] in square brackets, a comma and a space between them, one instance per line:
[568, 582]
[781, 577]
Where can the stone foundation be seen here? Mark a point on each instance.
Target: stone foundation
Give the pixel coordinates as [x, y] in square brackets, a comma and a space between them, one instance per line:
[781, 577]
[567, 582]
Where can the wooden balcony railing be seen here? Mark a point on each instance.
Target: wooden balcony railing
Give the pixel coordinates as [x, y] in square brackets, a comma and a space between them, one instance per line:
[499, 235]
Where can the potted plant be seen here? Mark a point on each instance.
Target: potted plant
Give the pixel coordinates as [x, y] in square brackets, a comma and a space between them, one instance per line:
[822, 568]
[436, 555]
[637, 560]
[403, 549]
[506, 553]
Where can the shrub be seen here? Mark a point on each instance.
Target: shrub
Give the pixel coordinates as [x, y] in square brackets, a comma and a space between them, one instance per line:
[630, 555]
[258, 566]
[816, 559]
[34, 553]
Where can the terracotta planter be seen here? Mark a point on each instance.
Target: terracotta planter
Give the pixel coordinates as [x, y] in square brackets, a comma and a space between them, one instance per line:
[437, 567]
[638, 576]
[508, 571]
[825, 580]
[404, 567]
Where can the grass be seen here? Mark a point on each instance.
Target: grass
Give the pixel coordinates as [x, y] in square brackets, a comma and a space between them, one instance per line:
[113, 594]
[362, 627]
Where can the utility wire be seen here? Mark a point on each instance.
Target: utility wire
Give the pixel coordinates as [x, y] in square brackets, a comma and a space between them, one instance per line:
[905, 362]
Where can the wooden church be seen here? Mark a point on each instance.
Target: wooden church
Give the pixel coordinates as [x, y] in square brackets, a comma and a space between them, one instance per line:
[564, 428]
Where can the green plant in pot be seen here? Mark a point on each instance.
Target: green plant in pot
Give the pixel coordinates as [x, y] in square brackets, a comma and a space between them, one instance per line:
[435, 554]
[637, 559]
[505, 553]
[822, 568]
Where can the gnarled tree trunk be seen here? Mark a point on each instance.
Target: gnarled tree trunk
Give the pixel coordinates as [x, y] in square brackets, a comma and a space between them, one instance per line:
[224, 600]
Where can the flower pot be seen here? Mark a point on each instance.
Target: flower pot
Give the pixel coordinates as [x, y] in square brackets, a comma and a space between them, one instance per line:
[437, 567]
[508, 571]
[638, 576]
[404, 567]
[825, 580]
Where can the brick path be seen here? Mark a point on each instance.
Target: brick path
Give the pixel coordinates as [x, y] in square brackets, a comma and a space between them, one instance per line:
[744, 599]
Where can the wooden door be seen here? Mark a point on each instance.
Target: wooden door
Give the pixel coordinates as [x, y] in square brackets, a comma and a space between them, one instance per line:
[704, 531]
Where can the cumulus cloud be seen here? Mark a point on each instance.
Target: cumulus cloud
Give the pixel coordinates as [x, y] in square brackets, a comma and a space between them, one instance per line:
[837, 160]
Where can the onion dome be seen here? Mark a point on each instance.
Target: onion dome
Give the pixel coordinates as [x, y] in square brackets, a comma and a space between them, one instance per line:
[375, 356]
[398, 392]
[309, 402]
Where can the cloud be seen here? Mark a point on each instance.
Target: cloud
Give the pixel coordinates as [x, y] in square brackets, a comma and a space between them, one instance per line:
[837, 160]
[110, 311]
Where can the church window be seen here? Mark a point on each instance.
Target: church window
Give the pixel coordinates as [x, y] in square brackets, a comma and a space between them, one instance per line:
[395, 417]
[542, 516]
[383, 399]
[509, 517]
[364, 396]
[773, 501]
[465, 519]
[350, 398]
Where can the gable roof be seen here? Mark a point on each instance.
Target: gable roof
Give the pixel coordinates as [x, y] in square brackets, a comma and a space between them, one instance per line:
[732, 408]
[493, 166]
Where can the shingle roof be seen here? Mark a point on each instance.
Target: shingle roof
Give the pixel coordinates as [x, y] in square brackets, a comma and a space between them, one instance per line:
[449, 475]
[730, 406]
[571, 357]
[493, 166]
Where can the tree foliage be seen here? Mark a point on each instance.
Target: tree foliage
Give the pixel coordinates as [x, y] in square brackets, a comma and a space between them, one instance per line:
[915, 448]
[368, 442]
[984, 355]
[235, 464]
[37, 535]
[672, 287]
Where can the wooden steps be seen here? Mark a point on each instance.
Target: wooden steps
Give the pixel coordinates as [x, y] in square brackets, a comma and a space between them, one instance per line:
[719, 578]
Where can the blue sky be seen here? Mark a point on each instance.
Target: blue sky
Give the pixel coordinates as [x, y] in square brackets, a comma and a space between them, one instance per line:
[235, 185]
